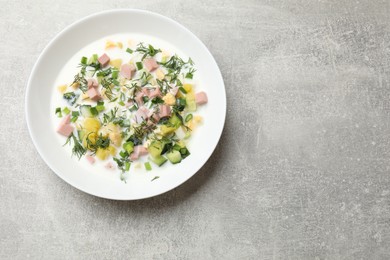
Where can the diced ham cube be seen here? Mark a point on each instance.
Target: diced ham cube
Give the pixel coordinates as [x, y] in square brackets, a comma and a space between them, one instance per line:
[104, 60]
[201, 98]
[141, 114]
[127, 70]
[155, 117]
[93, 94]
[139, 99]
[165, 111]
[139, 150]
[129, 104]
[92, 83]
[150, 64]
[90, 159]
[134, 156]
[65, 120]
[65, 129]
[146, 91]
[155, 93]
[174, 90]
[109, 166]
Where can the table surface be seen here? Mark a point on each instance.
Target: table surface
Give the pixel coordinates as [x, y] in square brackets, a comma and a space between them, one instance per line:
[302, 168]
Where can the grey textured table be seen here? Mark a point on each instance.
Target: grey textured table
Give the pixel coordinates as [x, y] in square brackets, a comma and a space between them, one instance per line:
[302, 169]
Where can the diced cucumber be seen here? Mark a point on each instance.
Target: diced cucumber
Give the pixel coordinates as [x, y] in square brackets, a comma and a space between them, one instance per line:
[174, 156]
[155, 148]
[175, 121]
[88, 111]
[129, 147]
[148, 167]
[159, 160]
[81, 134]
[191, 103]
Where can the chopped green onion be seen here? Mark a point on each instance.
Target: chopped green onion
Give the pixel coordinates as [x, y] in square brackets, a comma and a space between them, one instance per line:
[121, 103]
[115, 82]
[188, 117]
[189, 75]
[148, 167]
[58, 112]
[75, 113]
[127, 166]
[114, 74]
[129, 50]
[129, 147]
[133, 108]
[100, 108]
[139, 65]
[183, 90]
[84, 60]
[65, 110]
[94, 111]
[123, 154]
[74, 119]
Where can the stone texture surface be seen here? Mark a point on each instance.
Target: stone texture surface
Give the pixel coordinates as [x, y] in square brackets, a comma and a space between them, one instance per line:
[302, 169]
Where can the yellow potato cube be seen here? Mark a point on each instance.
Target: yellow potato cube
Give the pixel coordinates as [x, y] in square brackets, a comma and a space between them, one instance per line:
[91, 124]
[110, 44]
[62, 88]
[198, 119]
[160, 74]
[75, 85]
[188, 88]
[119, 44]
[169, 99]
[116, 63]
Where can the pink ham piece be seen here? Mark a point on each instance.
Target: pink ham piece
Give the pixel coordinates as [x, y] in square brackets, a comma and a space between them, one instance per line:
[164, 111]
[92, 83]
[139, 150]
[127, 70]
[141, 114]
[104, 60]
[129, 104]
[139, 99]
[201, 98]
[90, 159]
[109, 166]
[155, 93]
[93, 94]
[155, 118]
[150, 64]
[65, 128]
[174, 91]
[146, 91]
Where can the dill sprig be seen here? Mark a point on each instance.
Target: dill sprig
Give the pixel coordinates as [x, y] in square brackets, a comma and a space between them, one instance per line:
[147, 51]
[77, 149]
[101, 141]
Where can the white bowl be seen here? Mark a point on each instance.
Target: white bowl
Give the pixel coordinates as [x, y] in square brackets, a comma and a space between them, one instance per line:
[41, 88]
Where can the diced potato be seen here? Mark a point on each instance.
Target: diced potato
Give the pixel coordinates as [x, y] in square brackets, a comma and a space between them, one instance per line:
[62, 88]
[119, 44]
[110, 44]
[84, 96]
[103, 154]
[169, 99]
[113, 132]
[188, 88]
[116, 63]
[75, 85]
[190, 124]
[198, 119]
[91, 124]
[160, 74]
[91, 136]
